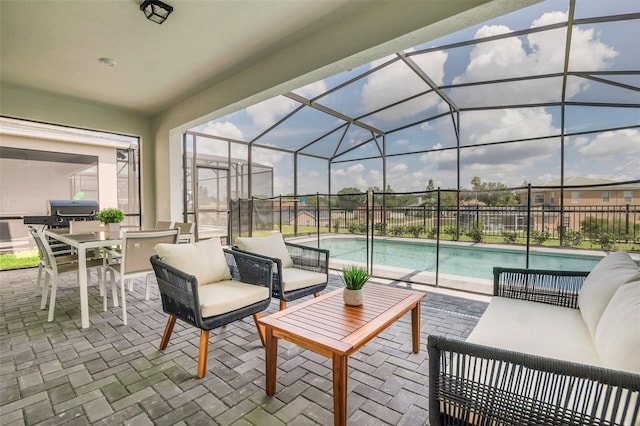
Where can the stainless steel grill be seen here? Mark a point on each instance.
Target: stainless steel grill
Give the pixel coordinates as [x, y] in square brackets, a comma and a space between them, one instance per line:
[62, 211]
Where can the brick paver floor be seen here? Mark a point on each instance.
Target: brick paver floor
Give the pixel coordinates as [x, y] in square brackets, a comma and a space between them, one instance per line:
[111, 374]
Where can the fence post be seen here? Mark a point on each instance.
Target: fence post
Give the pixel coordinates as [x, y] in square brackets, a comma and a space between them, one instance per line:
[477, 216]
[251, 217]
[438, 237]
[528, 223]
[280, 212]
[318, 217]
[369, 264]
[626, 221]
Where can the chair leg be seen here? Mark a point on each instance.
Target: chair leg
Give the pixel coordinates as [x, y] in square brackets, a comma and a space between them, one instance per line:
[147, 291]
[316, 294]
[168, 329]
[283, 305]
[39, 282]
[203, 353]
[260, 328]
[52, 300]
[45, 291]
[124, 300]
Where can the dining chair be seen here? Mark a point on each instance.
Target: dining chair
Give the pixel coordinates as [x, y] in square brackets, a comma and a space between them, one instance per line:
[62, 256]
[162, 225]
[208, 287]
[53, 266]
[137, 248]
[186, 231]
[299, 270]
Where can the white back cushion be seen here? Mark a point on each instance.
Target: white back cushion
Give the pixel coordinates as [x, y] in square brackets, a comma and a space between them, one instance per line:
[602, 282]
[272, 246]
[204, 259]
[617, 337]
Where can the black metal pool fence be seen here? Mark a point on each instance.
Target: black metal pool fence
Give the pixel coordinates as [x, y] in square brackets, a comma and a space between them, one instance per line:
[524, 215]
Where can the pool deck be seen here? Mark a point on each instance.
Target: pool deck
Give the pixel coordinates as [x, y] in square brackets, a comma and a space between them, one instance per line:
[54, 373]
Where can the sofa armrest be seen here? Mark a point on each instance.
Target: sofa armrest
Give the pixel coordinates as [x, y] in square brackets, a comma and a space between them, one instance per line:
[475, 384]
[309, 258]
[559, 288]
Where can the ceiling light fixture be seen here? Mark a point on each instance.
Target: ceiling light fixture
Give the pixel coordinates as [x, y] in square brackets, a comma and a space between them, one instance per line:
[156, 11]
[107, 62]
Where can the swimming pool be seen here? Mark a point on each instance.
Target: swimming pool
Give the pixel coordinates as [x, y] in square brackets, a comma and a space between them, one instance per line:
[467, 261]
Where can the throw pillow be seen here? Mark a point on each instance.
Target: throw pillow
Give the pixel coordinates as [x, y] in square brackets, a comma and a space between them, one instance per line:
[204, 259]
[272, 246]
[601, 284]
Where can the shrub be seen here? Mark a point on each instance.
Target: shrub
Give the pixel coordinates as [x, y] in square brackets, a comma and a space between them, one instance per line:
[380, 228]
[475, 234]
[450, 231]
[539, 237]
[432, 232]
[606, 240]
[509, 237]
[572, 238]
[415, 230]
[397, 230]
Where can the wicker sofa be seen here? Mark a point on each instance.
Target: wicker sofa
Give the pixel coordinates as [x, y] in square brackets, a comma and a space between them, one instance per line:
[557, 348]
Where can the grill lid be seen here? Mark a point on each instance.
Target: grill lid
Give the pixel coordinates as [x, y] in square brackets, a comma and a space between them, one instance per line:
[62, 208]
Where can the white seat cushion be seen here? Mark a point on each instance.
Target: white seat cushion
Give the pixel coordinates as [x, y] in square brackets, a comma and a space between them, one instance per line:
[536, 328]
[618, 334]
[294, 278]
[272, 246]
[226, 296]
[602, 282]
[204, 259]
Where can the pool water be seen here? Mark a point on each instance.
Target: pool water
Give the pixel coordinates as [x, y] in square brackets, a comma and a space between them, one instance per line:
[477, 262]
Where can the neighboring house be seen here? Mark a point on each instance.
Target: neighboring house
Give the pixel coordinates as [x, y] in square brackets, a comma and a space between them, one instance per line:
[308, 218]
[608, 202]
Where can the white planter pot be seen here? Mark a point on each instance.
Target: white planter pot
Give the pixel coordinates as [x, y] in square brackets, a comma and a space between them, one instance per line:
[113, 227]
[353, 297]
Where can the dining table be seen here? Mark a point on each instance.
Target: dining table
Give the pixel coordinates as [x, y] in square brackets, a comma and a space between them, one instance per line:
[82, 243]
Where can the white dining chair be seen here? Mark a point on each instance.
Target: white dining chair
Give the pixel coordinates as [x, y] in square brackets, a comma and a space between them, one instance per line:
[53, 266]
[137, 248]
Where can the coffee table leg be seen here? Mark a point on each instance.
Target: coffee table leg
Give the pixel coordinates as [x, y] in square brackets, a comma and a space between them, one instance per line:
[340, 389]
[271, 360]
[415, 328]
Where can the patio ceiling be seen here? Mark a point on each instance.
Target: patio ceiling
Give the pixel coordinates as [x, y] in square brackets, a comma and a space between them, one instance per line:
[54, 46]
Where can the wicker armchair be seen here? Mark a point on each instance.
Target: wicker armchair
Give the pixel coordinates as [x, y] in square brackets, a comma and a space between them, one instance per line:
[179, 292]
[472, 384]
[309, 273]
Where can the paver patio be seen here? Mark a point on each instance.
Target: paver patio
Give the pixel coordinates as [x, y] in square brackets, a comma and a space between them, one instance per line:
[53, 373]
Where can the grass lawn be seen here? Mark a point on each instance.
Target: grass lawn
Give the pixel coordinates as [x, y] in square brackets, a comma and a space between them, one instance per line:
[20, 260]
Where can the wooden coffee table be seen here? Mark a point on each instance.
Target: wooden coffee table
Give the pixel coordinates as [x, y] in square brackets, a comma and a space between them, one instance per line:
[327, 326]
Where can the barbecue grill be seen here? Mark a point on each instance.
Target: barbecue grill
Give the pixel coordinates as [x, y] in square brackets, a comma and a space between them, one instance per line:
[61, 212]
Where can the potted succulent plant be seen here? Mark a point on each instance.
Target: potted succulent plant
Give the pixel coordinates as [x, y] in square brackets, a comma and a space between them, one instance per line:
[111, 217]
[354, 278]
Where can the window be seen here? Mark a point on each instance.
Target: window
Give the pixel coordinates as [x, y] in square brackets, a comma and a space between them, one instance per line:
[627, 197]
[552, 198]
[606, 196]
[538, 198]
[575, 197]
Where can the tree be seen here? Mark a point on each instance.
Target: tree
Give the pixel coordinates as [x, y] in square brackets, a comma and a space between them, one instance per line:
[350, 199]
[492, 193]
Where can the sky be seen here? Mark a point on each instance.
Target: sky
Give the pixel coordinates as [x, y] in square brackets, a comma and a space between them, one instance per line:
[595, 48]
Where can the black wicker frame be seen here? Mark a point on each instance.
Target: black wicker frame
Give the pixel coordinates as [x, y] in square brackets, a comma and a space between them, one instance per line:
[303, 257]
[179, 294]
[472, 384]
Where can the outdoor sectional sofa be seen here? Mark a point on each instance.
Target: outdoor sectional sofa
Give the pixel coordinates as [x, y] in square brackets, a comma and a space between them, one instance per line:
[552, 348]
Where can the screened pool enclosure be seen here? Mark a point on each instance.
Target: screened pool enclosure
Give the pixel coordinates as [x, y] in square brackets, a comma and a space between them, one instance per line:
[547, 96]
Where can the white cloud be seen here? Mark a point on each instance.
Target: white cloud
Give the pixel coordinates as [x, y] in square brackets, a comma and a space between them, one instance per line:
[312, 90]
[618, 143]
[397, 81]
[225, 129]
[266, 113]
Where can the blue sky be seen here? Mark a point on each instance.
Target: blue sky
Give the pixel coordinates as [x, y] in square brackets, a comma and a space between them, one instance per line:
[596, 47]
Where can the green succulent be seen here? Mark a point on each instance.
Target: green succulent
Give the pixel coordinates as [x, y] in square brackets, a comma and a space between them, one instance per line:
[354, 277]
